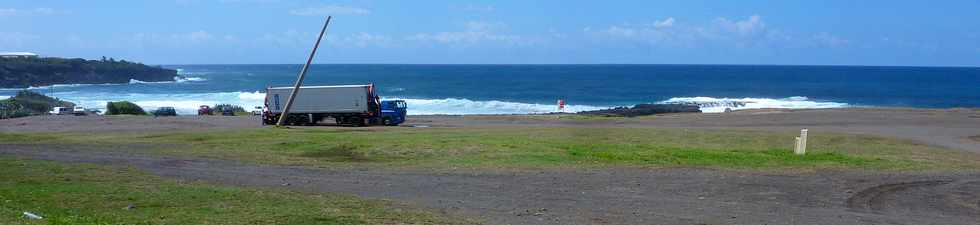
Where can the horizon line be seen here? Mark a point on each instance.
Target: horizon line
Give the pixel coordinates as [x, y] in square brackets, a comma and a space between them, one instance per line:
[579, 64]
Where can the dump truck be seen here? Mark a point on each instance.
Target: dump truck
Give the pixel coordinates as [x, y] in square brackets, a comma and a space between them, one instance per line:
[356, 105]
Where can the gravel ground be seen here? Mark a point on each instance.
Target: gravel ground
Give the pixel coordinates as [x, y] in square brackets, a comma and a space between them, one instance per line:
[600, 196]
[607, 196]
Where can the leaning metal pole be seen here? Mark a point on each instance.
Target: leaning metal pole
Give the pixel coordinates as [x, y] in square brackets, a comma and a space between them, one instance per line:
[302, 74]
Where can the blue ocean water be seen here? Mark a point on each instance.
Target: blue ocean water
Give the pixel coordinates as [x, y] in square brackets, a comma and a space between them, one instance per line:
[506, 89]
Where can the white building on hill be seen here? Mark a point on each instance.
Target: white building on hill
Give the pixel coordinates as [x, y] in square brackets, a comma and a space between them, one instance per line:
[18, 55]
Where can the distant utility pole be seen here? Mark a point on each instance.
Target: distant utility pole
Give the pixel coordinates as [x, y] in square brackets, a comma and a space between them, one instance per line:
[302, 74]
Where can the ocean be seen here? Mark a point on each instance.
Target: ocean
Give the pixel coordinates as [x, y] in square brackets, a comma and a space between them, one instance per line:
[519, 89]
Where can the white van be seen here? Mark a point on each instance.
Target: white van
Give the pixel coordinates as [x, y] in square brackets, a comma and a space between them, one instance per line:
[61, 111]
[79, 111]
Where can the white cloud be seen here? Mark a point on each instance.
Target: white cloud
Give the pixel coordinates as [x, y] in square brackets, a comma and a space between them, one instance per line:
[751, 26]
[617, 31]
[29, 12]
[289, 38]
[475, 8]
[187, 2]
[248, 1]
[669, 22]
[830, 40]
[361, 40]
[196, 36]
[748, 32]
[16, 40]
[329, 10]
[475, 32]
[177, 39]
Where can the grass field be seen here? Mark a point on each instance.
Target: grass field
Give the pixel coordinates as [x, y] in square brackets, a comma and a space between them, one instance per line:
[527, 148]
[89, 194]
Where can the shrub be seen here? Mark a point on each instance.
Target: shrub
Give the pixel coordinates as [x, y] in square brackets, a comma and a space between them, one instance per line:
[123, 108]
[221, 108]
[10, 109]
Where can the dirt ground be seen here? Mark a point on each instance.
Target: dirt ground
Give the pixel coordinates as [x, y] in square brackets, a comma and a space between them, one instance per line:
[598, 196]
[952, 128]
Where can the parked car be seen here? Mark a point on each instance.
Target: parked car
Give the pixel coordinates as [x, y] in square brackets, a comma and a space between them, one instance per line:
[204, 110]
[257, 111]
[228, 112]
[165, 111]
[60, 111]
[79, 111]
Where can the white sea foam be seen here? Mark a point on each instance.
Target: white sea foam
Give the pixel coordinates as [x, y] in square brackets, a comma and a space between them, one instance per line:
[60, 86]
[187, 104]
[177, 79]
[716, 105]
[456, 106]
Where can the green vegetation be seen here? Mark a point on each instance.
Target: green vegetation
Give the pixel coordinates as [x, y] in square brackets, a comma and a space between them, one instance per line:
[27, 103]
[123, 108]
[238, 110]
[89, 194]
[26, 72]
[530, 148]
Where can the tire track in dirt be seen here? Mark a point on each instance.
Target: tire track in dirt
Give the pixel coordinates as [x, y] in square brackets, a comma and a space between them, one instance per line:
[873, 198]
[944, 196]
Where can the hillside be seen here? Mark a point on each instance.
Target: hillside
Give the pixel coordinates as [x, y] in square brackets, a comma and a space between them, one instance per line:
[27, 72]
[28, 103]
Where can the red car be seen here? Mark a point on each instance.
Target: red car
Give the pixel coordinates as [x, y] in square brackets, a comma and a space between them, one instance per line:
[204, 110]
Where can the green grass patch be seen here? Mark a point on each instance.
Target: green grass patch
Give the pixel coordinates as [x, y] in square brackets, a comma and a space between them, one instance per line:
[89, 194]
[655, 155]
[530, 148]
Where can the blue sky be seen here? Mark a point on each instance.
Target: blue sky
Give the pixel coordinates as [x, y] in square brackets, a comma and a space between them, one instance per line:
[913, 33]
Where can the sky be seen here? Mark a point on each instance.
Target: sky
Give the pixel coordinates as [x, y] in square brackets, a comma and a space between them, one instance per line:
[828, 32]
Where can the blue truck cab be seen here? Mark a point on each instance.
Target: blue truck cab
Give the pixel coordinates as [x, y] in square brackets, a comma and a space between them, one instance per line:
[393, 112]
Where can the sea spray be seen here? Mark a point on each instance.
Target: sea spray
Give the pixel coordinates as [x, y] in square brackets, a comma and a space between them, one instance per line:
[177, 79]
[717, 105]
[187, 104]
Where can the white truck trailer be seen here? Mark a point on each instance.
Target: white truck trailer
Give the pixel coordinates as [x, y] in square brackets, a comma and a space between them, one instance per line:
[347, 104]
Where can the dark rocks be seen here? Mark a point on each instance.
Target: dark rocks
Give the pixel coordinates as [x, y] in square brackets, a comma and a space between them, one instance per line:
[645, 109]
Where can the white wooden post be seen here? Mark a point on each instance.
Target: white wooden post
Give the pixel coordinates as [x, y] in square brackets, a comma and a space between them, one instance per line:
[796, 146]
[802, 148]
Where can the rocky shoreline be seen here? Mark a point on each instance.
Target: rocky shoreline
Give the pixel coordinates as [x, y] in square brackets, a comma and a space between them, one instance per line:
[36, 72]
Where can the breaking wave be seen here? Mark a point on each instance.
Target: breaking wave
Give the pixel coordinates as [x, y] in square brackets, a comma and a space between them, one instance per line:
[716, 105]
[187, 104]
[177, 79]
[457, 106]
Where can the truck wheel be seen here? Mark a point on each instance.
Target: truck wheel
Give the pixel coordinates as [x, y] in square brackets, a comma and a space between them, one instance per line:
[385, 121]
